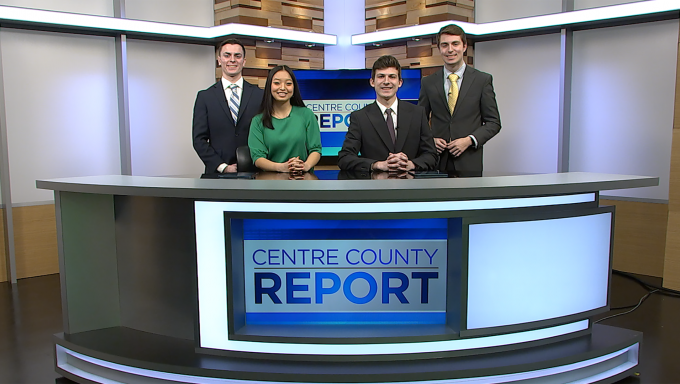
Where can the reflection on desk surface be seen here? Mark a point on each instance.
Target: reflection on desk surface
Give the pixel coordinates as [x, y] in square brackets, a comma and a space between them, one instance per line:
[336, 174]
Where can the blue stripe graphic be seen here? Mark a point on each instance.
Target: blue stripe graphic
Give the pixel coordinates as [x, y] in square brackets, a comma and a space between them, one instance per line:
[330, 151]
[346, 318]
[256, 229]
[332, 139]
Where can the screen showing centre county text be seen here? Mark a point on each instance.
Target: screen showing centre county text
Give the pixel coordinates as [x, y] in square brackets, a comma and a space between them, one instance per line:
[345, 271]
[334, 94]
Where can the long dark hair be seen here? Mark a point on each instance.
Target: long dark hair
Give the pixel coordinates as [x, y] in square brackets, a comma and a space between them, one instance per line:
[267, 106]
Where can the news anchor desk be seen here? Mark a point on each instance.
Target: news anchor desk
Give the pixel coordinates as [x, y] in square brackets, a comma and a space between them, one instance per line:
[483, 280]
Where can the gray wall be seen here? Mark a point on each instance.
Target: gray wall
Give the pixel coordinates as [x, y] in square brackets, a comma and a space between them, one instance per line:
[623, 92]
[62, 101]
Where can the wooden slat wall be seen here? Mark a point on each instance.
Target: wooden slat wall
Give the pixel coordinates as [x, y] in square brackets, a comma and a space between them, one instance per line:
[35, 240]
[639, 236]
[423, 53]
[671, 273]
[301, 15]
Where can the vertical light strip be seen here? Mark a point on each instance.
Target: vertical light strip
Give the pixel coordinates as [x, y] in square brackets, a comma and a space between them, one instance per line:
[5, 186]
[344, 18]
[123, 95]
[566, 60]
[62, 264]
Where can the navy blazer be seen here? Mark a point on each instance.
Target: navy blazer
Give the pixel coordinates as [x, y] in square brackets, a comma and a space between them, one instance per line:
[215, 135]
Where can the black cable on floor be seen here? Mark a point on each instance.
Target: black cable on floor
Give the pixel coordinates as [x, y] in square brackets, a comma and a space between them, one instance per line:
[642, 300]
[647, 286]
[651, 289]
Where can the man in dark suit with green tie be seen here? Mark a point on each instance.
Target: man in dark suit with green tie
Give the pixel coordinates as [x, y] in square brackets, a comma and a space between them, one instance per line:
[461, 104]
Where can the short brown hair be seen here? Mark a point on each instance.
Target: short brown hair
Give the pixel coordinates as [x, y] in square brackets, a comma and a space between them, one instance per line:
[452, 29]
[230, 41]
[386, 61]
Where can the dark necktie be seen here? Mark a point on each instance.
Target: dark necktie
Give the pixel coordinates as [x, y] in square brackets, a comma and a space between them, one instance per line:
[390, 125]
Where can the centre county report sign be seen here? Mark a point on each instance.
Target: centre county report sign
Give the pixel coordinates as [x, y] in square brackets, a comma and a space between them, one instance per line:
[345, 271]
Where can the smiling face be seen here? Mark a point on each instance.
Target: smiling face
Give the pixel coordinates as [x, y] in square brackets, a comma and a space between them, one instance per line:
[282, 86]
[231, 59]
[386, 83]
[452, 48]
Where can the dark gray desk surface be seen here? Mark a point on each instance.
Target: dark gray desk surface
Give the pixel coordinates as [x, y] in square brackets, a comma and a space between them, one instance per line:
[349, 190]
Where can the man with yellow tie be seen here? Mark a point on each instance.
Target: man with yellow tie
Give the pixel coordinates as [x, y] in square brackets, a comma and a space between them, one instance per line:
[461, 104]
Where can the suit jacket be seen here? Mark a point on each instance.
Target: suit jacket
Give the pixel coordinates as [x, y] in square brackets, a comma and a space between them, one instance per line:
[368, 139]
[475, 113]
[215, 135]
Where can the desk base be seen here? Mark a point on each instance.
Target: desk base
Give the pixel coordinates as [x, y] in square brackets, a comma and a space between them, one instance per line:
[130, 356]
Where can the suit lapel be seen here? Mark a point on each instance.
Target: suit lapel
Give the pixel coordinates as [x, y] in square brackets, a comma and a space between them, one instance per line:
[222, 99]
[379, 124]
[403, 124]
[468, 78]
[245, 96]
[440, 87]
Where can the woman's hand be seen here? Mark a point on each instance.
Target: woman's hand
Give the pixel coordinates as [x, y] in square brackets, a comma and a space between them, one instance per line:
[295, 165]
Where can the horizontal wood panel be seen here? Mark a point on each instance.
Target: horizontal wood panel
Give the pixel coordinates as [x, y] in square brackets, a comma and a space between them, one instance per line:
[639, 236]
[305, 15]
[296, 22]
[391, 9]
[384, 15]
[441, 17]
[267, 53]
[35, 240]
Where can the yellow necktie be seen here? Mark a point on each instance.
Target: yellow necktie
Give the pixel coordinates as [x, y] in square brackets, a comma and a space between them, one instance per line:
[453, 91]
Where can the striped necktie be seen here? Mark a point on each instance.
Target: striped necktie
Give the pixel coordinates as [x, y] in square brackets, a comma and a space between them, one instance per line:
[453, 91]
[234, 102]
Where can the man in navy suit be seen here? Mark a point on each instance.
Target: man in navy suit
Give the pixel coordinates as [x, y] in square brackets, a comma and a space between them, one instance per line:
[461, 129]
[389, 135]
[222, 113]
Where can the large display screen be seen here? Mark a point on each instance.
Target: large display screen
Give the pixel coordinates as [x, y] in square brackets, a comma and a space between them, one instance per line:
[334, 94]
[344, 271]
[527, 271]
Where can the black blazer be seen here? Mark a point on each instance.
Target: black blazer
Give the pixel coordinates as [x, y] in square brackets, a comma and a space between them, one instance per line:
[215, 136]
[475, 113]
[368, 140]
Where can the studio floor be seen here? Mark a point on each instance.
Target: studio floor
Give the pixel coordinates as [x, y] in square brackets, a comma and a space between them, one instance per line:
[30, 313]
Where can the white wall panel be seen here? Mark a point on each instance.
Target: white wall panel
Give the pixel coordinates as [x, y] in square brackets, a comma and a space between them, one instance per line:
[189, 12]
[623, 93]
[62, 121]
[585, 4]
[494, 10]
[526, 80]
[163, 81]
[87, 7]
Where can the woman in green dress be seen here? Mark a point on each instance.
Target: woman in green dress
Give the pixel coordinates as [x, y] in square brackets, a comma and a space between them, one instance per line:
[284, 136]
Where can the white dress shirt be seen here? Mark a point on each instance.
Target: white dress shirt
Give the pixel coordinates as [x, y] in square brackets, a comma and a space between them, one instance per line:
[394, 113]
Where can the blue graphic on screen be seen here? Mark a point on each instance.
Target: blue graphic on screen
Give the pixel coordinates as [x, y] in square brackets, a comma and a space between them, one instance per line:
[345, 271]
[334, 94]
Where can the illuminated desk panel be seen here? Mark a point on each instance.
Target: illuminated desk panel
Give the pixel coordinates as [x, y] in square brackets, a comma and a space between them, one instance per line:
[170, 258]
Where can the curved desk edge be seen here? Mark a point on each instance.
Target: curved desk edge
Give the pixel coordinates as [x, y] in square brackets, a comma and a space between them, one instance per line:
[355, 190]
